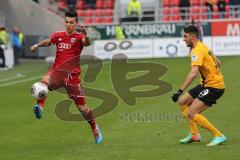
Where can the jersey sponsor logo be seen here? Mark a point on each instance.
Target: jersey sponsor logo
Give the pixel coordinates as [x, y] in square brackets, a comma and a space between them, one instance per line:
[204, 93]
[64, 46]
[73, 40]
[194, 57]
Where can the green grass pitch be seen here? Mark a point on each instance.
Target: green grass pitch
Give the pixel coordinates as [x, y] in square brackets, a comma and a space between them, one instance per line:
[22, 137]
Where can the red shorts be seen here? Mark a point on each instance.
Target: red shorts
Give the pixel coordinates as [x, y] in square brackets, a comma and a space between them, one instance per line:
[70, 81]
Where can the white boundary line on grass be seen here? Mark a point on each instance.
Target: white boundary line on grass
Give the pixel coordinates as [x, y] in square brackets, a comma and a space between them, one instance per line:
[11, 78]
[22, 73]
[20, 81]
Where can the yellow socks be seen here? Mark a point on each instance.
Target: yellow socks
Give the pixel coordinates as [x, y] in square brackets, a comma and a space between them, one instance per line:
[191, 123]
[203, 122]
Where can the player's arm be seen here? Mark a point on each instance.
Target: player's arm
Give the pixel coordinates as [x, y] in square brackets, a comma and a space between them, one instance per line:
[44, 43]
[191, 76]
[86, 40]
[219, 63]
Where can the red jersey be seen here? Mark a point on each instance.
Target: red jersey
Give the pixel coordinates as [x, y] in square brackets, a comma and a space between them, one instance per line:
[68, 50]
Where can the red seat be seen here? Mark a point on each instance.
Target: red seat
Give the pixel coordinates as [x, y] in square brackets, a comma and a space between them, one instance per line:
[215, 12]
[175, 2]
[99, 4]
[203, 12]
[204, 1]
[215, 8]
[215, 16]
[107, 20]
[195, 12]
[227, 11]
[227, 8]
[176, 18]
[99, 12]
[80, 4]
[195, 2]
[175, 14]
[203, 9]
[165, 18]
[88, 20]
[109, 4]
[89, 13]
[166, 3]
[166, 10]
[81, 13]
[98, 20]
[195, 9]
[204, 16]
[195, 17]
[108, 12]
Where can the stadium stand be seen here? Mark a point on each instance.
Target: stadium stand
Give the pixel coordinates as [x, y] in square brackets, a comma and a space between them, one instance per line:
[104, 11]
[198, 11]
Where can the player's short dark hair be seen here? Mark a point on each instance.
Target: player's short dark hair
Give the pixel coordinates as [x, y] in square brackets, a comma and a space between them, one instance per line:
[72, 14]
[192, 30]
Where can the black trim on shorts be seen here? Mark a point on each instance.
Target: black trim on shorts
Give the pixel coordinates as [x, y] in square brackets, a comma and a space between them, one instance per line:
[207, 95]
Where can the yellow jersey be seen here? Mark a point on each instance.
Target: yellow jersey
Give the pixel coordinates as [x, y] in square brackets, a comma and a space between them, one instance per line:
[134, 7]
[211, 75]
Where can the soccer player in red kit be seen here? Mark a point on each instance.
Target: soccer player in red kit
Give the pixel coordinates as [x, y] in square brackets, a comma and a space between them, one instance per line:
[65, 71]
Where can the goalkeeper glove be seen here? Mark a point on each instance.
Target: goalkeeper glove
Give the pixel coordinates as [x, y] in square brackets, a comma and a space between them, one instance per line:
[176, 95]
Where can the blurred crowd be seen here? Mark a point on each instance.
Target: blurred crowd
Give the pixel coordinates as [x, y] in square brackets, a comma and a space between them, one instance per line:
[220, 5]
[11, 41]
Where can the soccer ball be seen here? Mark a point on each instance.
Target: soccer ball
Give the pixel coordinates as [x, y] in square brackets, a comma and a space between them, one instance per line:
[39, 90]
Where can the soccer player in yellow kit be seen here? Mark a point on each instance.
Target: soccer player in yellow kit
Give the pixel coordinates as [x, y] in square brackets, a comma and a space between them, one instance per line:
[204, 95]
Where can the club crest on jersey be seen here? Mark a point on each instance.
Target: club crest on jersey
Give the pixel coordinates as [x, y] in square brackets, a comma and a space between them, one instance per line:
[60, 39]
[73, 40]
[194, 57]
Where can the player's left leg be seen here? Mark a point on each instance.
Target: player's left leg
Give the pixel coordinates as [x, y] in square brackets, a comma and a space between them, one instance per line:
[89, 116]
[185, 101]
[76, 93]
[196, 108]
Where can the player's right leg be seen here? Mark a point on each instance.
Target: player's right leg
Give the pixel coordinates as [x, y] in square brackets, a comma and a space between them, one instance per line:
[38, 107]
[196, 108]
[185, 101]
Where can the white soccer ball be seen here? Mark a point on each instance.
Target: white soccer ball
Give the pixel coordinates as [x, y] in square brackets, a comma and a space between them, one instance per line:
[39, 90]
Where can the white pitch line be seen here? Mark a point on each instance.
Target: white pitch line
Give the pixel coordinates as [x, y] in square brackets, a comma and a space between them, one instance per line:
[11, 78]
[20, 81]
[23, 73]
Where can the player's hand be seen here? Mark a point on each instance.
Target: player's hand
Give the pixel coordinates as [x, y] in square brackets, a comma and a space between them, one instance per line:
[34, 48]
[83, 30]
[176, 95]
